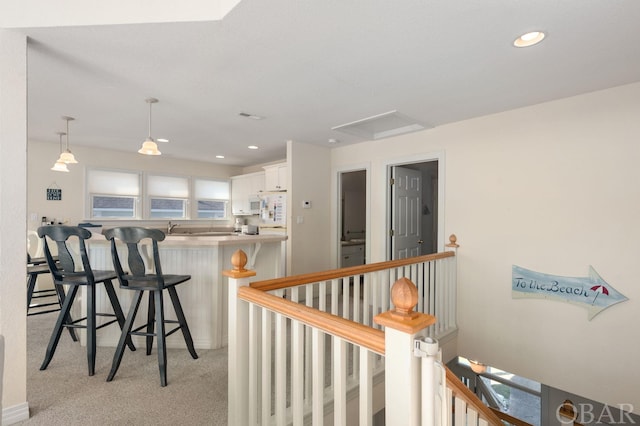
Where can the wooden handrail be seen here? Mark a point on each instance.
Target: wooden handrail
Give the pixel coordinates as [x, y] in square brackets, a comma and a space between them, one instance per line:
[348, 330]
[509, 418]
[464, 393]
[296, 280]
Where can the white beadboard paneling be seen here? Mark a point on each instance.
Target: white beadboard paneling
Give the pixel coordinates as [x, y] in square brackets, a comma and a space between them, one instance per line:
[203, 298]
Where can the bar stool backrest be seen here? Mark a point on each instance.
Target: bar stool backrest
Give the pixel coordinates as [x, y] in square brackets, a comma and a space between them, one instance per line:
[132, 236]
[66, 266]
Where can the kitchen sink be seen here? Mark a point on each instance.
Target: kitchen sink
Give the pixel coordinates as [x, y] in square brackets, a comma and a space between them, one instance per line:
[202, 233]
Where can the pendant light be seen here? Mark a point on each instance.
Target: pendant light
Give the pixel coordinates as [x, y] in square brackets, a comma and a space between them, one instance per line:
[149, 146]
[60, 166]
[66, 156]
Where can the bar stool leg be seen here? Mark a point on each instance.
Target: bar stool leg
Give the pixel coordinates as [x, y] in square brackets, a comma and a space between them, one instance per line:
[151, 310]
[61, 297]
[117, 310]
[177, 307]
[57, 329]
[31, 285]
[126, 329]
[91, 328]
[160, 334]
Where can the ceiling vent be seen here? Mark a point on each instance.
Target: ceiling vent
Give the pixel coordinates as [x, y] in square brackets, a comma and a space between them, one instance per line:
[381, 126]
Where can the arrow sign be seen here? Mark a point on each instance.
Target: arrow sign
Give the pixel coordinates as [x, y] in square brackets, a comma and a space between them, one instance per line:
[591, 293]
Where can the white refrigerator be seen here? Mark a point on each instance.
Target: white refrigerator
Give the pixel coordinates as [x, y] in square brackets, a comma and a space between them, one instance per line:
[273, 213]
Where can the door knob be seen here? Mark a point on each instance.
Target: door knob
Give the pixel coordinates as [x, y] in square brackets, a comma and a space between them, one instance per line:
[420, 241]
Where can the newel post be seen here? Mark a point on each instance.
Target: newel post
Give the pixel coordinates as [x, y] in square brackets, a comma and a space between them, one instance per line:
[238, 332]
[402, 368]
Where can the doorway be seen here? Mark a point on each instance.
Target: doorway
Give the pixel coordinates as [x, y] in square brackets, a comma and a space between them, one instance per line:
[414, 209]
[352, 228]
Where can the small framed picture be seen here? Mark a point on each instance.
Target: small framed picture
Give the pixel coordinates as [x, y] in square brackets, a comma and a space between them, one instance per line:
[54, 194]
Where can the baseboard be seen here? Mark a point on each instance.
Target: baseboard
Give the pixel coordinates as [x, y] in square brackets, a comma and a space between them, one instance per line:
[15, 414]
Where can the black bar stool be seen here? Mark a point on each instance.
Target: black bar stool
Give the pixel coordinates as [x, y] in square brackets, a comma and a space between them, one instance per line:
[48, 297]
[64, 273]
[155, 283]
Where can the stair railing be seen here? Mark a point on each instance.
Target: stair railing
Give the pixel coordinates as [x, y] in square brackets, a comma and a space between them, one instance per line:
[290, 362]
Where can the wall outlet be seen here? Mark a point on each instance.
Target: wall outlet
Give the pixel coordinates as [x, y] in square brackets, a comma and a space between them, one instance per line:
[299, 219]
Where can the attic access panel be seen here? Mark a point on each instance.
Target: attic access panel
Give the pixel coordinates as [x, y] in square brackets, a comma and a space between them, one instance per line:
[381, 126]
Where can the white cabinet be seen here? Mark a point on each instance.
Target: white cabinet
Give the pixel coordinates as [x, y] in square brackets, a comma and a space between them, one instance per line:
[256, 182]
[275, 177]
[242, 188]
[352, 255]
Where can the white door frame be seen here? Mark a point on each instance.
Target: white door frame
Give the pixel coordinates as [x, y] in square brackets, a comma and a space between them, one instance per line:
[336, 210]
[438, 156]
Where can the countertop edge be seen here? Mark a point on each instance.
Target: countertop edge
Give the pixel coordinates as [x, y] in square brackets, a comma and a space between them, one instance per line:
[208, 240]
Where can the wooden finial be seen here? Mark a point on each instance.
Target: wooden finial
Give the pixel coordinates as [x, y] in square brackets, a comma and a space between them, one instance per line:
[404, 296]
[452, 241]
[239, 260]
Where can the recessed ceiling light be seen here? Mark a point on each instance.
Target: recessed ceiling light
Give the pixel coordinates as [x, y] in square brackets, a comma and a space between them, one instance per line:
[333, 140]
[252, 147]
[219, 156]
[162, 140]
[529, 39]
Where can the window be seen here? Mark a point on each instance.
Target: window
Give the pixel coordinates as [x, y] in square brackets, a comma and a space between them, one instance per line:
[212, 198]
[166, 208]
[113, 194]
[168, 197]
[116, 194]
[110, 206]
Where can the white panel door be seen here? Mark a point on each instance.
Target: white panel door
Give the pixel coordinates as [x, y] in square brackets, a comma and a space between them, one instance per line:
[406, 240]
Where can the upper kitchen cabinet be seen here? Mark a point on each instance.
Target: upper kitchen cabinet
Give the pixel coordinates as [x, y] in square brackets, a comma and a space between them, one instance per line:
[275, 177]
[243, 188]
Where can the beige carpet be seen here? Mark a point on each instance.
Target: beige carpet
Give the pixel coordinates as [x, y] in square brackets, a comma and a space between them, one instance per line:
[64, 394]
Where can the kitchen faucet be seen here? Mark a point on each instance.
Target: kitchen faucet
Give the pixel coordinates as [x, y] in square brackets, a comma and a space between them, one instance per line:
[170, 227]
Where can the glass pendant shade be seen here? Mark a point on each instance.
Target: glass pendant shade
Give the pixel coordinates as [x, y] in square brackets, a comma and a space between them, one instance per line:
[60, 167]
[149, 146]
[67, 158]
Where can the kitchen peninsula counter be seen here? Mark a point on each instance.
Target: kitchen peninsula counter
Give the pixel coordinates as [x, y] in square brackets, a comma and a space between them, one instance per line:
[220, 240]
[204, 298]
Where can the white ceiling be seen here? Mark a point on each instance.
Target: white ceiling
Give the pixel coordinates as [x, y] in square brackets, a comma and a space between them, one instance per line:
[307, 66]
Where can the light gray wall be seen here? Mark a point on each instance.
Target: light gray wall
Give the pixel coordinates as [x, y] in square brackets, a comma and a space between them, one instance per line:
[308, 229]
[551, 188]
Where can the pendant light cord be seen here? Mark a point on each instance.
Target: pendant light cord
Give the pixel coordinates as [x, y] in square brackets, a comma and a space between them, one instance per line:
[67, 119]
[67, 135]
[60, 136]
[150, 101]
